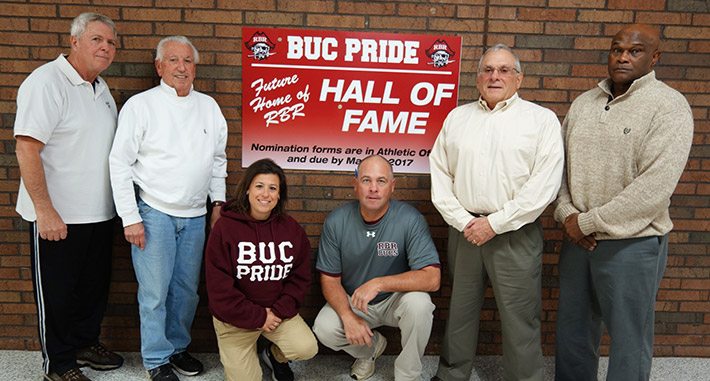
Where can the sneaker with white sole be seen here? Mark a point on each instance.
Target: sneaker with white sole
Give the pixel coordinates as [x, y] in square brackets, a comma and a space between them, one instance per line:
[185, 364]
[163, 373]
[98, 357]
[365, 368]
[280, 371]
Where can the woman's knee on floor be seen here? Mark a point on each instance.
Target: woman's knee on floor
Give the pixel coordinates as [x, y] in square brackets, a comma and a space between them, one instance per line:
[303, 349]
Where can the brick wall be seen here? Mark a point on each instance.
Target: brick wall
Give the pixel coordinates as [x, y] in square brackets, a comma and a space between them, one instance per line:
[562, 44]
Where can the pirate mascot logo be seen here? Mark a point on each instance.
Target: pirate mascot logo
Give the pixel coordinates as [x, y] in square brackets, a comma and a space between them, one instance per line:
[260, 45]
[440, 52]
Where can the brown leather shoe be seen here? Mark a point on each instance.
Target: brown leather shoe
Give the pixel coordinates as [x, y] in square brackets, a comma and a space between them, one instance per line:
[73, 374]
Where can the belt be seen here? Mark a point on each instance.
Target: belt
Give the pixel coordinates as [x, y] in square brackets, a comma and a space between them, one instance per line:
[477, 215]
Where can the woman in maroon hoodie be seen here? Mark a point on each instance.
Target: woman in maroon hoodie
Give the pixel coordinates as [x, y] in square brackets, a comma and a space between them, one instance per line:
[258, 269]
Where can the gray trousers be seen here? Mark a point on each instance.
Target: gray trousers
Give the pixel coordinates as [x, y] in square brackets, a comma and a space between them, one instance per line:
[617, 284]
[513, 262]
[411, 312]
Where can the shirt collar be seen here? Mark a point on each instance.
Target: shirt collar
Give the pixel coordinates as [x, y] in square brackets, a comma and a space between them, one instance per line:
[68, 70]
[76, 80]
[638, 83]
[172, 92]
[500, 105]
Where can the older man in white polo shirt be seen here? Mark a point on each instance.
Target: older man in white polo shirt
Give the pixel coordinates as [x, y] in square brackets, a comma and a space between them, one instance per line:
[64, 127]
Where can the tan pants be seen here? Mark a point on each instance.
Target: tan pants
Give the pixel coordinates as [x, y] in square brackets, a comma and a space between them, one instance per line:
[293, 340]
[411, 312]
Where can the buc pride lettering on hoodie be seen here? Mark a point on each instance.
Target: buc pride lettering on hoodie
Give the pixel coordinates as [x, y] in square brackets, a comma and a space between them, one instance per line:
[252, 264]
[267, 271]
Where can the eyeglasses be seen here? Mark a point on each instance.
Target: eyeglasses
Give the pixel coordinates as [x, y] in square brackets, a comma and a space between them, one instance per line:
[503, 71]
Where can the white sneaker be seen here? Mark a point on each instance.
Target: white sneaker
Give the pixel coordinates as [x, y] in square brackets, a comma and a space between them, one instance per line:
[364, 368]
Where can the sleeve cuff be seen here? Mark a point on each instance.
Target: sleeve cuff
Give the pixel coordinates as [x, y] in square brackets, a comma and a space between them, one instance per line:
[586, 223]
[332, 275]
[132, 218]
[496, 225]
[218, 196]
[563, 211]
[462, 222]
[30, 134]
[285, 308]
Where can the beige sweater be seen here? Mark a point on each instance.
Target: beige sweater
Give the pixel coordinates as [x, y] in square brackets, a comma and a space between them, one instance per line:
[624, 158]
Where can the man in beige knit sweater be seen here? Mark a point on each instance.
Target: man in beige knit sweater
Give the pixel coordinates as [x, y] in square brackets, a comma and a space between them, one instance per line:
[626, 143]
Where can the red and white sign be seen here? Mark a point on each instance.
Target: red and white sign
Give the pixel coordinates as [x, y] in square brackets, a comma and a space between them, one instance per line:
[324, 100]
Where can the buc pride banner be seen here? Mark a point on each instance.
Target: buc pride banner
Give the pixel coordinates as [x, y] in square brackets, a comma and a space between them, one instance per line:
[323, 100]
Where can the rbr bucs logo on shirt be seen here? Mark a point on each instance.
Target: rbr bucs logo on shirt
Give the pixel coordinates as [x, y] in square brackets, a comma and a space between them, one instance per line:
[387, 249]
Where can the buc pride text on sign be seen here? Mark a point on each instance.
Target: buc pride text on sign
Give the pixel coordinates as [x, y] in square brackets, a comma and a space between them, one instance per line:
[323, 100]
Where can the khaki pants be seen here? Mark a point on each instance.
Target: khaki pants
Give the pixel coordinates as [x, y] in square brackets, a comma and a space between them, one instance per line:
[293, 340]
[411, 312]
[513, 262]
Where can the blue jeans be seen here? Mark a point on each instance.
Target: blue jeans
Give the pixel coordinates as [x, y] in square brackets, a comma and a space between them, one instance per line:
[168, 272]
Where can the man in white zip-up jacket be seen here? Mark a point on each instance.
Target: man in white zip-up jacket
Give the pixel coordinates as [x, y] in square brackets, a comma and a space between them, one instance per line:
[170, 149]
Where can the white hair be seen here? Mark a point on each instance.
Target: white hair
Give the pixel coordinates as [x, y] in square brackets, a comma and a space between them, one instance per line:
[501, 47]
[178, 39]
[78, 26]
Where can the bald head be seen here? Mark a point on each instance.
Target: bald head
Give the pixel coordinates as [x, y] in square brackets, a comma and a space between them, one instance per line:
[633, 53]
[380, 159]
[642, 32]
